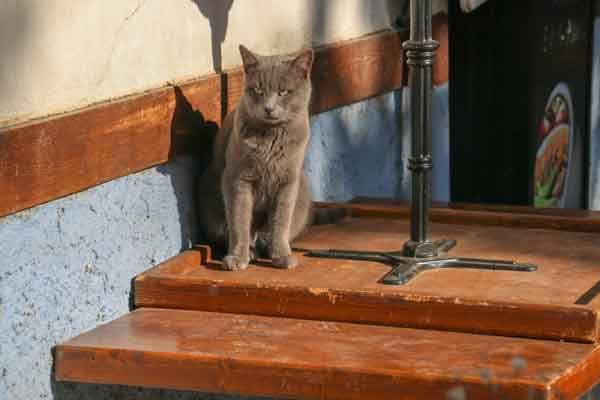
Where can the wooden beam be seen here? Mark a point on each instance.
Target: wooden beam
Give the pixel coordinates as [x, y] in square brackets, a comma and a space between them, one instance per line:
[278, 357]
[46, 159]
[441, 68]
[358, 70]
[58, 156]
[521, 217]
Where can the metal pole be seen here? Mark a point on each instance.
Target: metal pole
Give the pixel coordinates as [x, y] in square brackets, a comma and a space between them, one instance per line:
[420, 56]
[420, 253]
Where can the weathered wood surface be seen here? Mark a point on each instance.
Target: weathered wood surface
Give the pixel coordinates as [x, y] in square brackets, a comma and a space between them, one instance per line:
[559, 301]
[573, 220]
[54, 157]
[280, 357]
[441, 68]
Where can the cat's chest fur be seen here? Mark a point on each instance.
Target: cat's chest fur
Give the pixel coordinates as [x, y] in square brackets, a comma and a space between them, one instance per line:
[269, 157]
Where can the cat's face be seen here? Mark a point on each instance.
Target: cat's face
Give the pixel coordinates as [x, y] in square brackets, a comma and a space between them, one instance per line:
[277, 88]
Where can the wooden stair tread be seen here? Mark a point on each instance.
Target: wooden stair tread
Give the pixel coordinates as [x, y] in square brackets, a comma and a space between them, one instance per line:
[539, 304]
[254, 355]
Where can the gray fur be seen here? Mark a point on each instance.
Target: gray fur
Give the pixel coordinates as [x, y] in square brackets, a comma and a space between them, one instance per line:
[254, 197]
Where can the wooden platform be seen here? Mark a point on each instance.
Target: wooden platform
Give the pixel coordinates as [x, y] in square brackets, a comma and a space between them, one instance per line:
[559, 301]
[280, 357]
[330, 330]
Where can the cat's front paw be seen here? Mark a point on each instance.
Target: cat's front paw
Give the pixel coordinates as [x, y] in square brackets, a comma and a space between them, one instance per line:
[287, 262]
[235, 263]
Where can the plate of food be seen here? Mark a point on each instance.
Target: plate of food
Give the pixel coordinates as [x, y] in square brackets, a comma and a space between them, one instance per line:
[552, 161]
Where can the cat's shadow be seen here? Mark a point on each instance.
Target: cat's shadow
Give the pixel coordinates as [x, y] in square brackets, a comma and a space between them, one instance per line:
[192, 137]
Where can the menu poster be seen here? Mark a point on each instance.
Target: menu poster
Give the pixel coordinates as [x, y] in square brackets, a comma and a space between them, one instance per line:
[560, 37]
[594, 166]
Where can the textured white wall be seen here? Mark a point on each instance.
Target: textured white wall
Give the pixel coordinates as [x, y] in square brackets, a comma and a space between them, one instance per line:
[63, 54]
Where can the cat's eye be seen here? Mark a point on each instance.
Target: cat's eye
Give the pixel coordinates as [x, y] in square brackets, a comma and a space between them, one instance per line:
[258, 91]
[284, 92]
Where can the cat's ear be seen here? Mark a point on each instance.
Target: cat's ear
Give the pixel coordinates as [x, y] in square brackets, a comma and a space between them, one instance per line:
[303, 62]
[249, 59]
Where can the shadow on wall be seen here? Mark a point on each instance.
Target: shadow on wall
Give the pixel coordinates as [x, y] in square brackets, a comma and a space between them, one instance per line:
[198, 145]
[324, 14]
[217, 13]
[78, 391]
[15, 20]
[399, 11]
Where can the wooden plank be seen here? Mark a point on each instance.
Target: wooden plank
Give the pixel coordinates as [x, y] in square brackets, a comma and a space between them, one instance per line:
[355, 71]
[59, 156]
[252, 355]
[46, 159]
[441, 68]
[556, 302]
[519, 217]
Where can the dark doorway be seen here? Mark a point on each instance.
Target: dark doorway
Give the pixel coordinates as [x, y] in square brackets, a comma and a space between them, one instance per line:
[506, 58]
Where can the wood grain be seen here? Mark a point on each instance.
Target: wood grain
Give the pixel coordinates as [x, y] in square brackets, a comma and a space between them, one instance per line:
[356, 71]
[54, 157]
[441, 68]
[48, 159]
[542, 304]
[252, 355]
[519, 217]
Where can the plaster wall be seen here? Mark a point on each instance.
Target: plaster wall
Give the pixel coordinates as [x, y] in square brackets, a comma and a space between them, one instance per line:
[59, 55]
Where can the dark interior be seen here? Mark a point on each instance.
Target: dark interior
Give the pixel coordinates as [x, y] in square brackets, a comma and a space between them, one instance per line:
[501, 73]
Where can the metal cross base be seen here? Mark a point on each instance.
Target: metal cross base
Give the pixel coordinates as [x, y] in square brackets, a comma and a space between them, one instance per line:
[406, 268]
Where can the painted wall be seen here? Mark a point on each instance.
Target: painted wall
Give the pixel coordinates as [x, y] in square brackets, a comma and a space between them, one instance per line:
[63, 54]
[363, 149]
[67, 265]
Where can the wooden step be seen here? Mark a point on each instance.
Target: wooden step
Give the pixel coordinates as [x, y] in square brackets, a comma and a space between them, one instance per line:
[266, 356]
[559, 301]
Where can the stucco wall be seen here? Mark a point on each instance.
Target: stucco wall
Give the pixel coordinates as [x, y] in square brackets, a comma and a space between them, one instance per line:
[67, 265]
[350, 143]
[63, 54]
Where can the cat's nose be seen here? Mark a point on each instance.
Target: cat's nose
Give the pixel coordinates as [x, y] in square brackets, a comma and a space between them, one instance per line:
[269, 110]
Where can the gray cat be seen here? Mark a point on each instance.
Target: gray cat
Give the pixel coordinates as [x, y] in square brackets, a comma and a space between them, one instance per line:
[254, 197]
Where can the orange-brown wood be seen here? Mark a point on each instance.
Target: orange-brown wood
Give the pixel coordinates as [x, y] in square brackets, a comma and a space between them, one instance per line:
[252, 355]
[357, 70]
[47, 159]
[520, 217]
[53, 157]
[559, 301]
[441, 68]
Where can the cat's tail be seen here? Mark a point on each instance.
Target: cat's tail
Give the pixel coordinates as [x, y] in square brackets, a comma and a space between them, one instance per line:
[324, 216]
